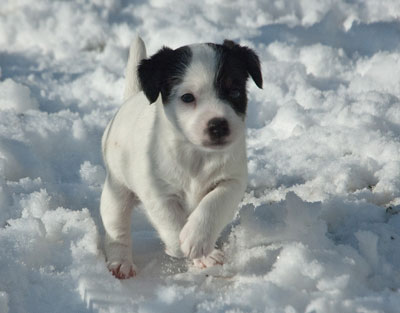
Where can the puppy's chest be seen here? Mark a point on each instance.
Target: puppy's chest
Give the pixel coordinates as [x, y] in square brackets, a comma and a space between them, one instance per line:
[192, 178]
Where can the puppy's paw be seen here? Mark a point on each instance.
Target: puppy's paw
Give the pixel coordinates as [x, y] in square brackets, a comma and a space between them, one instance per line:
[196, 239]
[119, 259]
[174, 251]
[122, 269]
[216, 257]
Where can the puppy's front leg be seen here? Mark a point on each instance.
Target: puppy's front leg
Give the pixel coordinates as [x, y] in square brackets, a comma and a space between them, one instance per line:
[168, 218]
[115, 208]
[206, 222]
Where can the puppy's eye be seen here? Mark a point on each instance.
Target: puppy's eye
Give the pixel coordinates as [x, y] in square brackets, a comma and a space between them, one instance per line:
[187, 98]
[234, 93]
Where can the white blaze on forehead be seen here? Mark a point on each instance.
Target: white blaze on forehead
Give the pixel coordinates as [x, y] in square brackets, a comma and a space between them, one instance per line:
[200, 72]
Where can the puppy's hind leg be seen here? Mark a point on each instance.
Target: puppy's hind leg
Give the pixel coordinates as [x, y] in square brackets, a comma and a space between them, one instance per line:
[116, 208]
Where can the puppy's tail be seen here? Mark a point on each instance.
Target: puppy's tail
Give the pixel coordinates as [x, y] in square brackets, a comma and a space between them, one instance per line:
[137, 52]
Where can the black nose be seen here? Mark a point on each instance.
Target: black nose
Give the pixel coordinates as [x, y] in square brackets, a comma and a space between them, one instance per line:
[218, 128]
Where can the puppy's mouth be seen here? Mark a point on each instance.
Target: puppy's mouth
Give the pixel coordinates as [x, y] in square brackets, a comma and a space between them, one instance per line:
[217, 144]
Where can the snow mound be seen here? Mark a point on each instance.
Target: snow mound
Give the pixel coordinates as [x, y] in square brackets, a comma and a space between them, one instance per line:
[49, 246]
[16, 97]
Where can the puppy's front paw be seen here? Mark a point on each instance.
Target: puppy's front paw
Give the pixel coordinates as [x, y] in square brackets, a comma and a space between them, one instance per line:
[196, 239]
[122, 269]
[216, 257]
[174, 251]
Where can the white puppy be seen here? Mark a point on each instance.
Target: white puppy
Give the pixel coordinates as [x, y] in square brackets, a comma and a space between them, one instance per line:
[177, 145]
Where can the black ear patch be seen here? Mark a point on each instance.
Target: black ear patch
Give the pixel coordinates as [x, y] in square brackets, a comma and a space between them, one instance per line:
[150, 72]
[249, 57]
[235, 64]
[162, 71]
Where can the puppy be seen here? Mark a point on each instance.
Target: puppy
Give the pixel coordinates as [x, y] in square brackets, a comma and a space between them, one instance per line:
[177, 145]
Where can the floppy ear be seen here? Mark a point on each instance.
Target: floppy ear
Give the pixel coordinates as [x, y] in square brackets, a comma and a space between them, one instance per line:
[250, 58]
[151, 73]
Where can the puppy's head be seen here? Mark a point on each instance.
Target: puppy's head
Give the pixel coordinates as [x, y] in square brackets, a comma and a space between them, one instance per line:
[203, 89]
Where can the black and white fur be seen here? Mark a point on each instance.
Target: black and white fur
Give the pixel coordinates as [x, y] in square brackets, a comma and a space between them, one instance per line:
[177, 145]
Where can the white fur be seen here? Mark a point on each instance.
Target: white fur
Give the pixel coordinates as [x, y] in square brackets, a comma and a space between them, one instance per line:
[137, 52]
[154, 155]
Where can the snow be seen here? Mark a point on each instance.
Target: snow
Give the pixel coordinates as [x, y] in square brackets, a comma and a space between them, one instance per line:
[319, 227]
[17, 97]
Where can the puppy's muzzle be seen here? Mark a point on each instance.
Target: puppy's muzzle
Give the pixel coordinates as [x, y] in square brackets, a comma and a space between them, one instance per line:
[218, 131]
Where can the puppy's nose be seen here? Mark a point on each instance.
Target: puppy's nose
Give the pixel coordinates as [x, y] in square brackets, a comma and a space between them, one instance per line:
[218, 128]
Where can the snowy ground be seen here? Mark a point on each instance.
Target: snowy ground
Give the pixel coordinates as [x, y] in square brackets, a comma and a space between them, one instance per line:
[319, 227]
